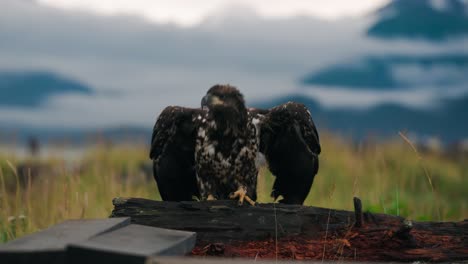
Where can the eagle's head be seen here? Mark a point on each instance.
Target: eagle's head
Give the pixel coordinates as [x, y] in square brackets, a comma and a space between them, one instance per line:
[226, 103]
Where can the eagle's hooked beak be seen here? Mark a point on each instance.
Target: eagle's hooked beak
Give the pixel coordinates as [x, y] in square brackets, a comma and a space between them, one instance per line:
[211, 100]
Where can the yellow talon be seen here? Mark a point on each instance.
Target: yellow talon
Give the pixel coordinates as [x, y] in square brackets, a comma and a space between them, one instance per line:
[242, 194]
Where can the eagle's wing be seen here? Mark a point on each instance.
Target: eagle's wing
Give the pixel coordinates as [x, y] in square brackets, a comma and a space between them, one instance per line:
[172, 152]
[290, 143]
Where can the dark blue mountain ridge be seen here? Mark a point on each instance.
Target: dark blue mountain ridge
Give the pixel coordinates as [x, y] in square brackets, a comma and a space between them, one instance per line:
[444, 120]
[420, 19]
[32, 88]
[376, 71]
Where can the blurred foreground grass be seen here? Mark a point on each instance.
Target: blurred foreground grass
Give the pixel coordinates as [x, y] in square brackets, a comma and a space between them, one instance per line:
[389, 177]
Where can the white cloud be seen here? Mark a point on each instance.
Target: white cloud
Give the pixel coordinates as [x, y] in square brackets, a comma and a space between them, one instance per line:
[189, 13]
[416, 98]
[422, 76]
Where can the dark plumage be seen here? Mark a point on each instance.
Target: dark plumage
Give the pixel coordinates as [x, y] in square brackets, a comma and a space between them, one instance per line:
[172, 152]
[290, 143]
[211, 152]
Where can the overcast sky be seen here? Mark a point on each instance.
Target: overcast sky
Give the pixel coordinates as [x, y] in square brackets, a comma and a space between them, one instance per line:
[137, 67]
[187, 12]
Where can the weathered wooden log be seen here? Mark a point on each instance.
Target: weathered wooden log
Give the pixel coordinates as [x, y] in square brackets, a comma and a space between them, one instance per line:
[225, 220]
[224, 228]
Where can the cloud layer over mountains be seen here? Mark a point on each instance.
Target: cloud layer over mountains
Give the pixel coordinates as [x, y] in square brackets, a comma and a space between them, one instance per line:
[135, 68]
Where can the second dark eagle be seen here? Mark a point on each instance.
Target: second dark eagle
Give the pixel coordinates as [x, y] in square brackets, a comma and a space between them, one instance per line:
[212, 152]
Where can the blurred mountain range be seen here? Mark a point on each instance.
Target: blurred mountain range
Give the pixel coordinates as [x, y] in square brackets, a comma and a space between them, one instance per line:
[404, 19]
[429, 19]
[381, 72]
[31, 89]
[386, 120]
[408, 64]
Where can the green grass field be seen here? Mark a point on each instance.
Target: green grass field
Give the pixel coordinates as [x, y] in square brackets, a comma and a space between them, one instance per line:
[389, 177]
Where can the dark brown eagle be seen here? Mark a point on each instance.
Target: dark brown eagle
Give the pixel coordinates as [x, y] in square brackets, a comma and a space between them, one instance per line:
[212, 152]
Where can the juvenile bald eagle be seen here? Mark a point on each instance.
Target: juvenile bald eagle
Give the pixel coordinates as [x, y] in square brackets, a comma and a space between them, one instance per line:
[211, 152]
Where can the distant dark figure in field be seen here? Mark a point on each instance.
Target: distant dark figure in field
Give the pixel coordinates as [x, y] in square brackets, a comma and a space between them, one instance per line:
[33, 146]
[211, 152]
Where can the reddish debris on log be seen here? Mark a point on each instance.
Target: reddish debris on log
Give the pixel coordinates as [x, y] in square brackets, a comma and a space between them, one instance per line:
[365, 244]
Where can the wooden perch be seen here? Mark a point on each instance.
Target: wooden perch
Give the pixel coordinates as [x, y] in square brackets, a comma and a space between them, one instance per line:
[226, 229]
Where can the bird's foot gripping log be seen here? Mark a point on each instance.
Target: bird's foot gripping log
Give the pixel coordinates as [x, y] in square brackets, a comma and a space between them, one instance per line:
[303, 232]
[241, 193]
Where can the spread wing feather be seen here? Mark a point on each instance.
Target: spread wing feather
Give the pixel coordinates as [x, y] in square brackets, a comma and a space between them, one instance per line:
[172, 151]
[290, 142]
[288, 139]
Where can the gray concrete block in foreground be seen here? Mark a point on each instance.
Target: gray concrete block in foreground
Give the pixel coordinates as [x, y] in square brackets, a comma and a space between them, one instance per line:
[48, 246]
[131, 244]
